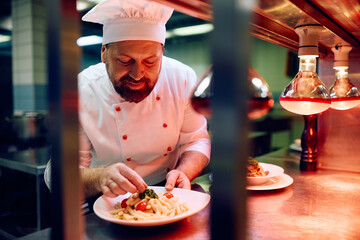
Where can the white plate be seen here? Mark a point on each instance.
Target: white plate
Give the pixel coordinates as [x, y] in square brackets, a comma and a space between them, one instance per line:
[274, 171]
[282, 181]
[195, 200]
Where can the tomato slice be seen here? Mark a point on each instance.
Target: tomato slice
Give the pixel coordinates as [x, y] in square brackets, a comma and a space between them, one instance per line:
[168, 195]
[141, 206]
[123, 203]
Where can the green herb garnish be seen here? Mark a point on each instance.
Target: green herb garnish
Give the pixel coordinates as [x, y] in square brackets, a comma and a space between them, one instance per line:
[148, 192]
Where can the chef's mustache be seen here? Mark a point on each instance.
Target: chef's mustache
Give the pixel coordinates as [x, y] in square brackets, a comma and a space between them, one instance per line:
[129, 79]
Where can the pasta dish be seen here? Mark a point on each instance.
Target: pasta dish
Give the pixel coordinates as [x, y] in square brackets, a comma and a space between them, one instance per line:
[149, 206]
[254, 169]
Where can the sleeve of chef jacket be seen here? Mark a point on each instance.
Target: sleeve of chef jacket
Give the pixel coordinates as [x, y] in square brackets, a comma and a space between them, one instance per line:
[85, 148]
[194, 135]
[47, 175]
[84, 155]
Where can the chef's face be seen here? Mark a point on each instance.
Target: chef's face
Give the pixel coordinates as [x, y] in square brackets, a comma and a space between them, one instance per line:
[133, 67]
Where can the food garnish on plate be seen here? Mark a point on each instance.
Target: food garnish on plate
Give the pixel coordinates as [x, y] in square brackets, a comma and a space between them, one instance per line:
[254, 169]
[149, 205]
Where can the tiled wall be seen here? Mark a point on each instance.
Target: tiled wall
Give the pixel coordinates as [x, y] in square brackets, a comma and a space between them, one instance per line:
[29, 55]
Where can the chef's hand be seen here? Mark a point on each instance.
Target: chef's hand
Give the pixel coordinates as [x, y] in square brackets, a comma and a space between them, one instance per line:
[118, 179]
[177, 178]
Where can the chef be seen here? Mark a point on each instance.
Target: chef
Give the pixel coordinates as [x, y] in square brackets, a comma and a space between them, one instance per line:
[137, 126]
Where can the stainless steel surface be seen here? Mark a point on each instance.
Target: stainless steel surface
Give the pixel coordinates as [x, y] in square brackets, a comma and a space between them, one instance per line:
[339, 18]
[32, 161]
[349, 18]
[281, 10]
[318, 205]
[288, 15]
[339, 131]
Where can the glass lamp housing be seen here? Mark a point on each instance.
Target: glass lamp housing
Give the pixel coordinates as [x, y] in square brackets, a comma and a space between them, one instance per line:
[260, 100]
[306, 94]
[203, 93]
[344, 95]
[260, 97]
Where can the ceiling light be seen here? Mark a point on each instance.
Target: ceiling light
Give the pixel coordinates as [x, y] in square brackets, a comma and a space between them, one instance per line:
[80, 5]
[193, 30]
[89, 40]
[169, 34]
[4, 38]
[85, 4]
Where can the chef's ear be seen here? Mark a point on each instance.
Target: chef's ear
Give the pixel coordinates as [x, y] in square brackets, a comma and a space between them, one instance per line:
[103, 52]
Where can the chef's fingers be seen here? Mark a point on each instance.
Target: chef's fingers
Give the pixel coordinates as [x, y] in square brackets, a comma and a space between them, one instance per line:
[113, 184]
[104, 185]
[177, 178]
[123, 184]
[107, 191]
[171, 178]
[184, 183]
[116, 188]
[111, 189]
[132, 182]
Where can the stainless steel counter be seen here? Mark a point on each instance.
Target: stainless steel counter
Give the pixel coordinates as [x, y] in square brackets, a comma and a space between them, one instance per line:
[31, 161]
[318, 205]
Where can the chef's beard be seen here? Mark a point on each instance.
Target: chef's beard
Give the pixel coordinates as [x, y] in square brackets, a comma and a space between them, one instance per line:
[132, 95]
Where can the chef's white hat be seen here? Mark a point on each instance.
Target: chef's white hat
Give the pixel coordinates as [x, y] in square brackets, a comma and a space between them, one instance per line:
[130, 20]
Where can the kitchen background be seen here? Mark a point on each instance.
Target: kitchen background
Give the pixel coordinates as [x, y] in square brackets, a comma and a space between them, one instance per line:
[23, 88]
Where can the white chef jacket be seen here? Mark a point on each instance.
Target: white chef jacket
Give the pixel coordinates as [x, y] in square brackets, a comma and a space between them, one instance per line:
[148, 136]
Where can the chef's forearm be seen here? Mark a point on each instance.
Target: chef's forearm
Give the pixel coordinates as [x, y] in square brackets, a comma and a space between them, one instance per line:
[192, 163]
[90, 179]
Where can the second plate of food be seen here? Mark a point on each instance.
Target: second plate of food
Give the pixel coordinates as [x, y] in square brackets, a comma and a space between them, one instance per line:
[272, 170]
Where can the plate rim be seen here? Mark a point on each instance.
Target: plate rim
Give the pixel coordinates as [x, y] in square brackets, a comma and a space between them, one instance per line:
[149, 223]
[260, 187]
[266, 178]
